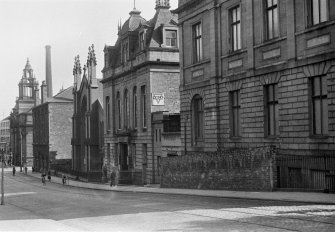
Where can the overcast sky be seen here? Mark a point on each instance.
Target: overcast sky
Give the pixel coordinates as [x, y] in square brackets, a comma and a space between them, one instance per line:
[69, 26]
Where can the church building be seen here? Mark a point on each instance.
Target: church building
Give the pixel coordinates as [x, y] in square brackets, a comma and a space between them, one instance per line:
[87, 127]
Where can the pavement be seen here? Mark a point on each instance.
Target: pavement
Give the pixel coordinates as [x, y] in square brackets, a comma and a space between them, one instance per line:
[306, 197]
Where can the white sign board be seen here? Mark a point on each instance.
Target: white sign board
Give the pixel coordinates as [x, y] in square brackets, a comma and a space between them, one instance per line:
[158, 99]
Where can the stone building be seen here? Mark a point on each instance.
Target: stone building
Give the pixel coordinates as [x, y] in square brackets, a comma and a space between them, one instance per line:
[21, 128]
[5, 134]
[260, 73]
[140, 77]
[52, 127]
[87, 129]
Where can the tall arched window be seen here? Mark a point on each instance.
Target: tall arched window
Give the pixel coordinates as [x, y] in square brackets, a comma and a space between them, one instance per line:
[197, 120]
[108, 122]
[126, 109]
[118, 110]
[135, 107]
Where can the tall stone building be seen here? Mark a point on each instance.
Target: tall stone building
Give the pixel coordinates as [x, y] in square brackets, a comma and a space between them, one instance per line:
[21, 127]
[52, 127]
[140, 77]
[5, 134]
[258, 73]
[87, 129]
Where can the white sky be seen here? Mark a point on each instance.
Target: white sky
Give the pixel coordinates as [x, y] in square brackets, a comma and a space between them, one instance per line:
[69, 26]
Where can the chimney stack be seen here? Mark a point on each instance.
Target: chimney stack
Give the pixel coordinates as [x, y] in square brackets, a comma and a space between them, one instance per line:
[44, 92]
[48, 75]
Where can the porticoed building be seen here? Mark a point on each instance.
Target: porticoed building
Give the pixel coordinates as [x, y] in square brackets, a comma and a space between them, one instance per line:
[21, 128]
[87, 127]
[261, 73]
[140, 77]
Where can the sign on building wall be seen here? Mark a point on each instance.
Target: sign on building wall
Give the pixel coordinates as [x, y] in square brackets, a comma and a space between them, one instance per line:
[158, 99]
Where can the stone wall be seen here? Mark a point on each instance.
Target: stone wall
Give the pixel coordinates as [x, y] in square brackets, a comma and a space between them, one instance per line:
[247, 169]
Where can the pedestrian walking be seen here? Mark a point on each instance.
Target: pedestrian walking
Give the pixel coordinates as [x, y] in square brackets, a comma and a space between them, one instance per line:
[49, 176]
[113, 178]
[14, 170]
[64, 179]
[43, 178]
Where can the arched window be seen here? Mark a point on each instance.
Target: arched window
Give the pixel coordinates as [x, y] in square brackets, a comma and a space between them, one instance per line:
[108, 122]
[197, 119]
[126, 109]
[135, 107]
[118, 110]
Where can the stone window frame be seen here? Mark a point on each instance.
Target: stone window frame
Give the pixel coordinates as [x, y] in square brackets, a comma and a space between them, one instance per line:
[135, 107]
[273, 101]
[310, 12]
[232, 24]
[165, 37]
[197, 43]
[319, 124]
[126, 109]
[108, 121]
[235, 113]
[197, 120]
[267, 10]
[118, 111]
[144, 115]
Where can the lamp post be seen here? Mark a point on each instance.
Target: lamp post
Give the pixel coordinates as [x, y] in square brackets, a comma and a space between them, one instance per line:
[2, 180]
[21, 150]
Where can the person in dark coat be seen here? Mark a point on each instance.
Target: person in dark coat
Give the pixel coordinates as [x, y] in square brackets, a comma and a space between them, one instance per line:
[14, 170]
[113, 175]
[49, 176]
[43, 178]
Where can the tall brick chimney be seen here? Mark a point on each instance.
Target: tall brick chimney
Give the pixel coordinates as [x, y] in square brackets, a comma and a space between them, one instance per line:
[48, 75]
[44, 92]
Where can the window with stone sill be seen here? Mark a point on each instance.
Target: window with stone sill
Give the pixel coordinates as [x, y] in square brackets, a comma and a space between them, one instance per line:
[271, 110]
[197, 120]
[235, 28]
[318, 12]
[142, 41]
[118, 110]
[271, 19]
[319, 105]
[171, 38]
[235, 106]
[197, 42]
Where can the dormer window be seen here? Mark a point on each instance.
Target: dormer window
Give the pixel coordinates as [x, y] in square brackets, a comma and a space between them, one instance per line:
[171, 38]
[125, 52]
[142, 40]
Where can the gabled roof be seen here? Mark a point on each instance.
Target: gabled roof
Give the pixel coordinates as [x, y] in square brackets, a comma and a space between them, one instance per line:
[63, 96]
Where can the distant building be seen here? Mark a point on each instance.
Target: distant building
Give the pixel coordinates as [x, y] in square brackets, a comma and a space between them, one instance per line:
[140, 77]
[87, 133]
[52, 127]
[21, 128]
[260, 73]
[5, 134]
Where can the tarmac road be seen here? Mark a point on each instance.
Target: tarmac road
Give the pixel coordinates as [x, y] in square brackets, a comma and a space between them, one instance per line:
[30, 206]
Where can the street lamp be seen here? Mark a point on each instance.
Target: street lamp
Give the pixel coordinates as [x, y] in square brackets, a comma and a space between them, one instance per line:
[2, 179]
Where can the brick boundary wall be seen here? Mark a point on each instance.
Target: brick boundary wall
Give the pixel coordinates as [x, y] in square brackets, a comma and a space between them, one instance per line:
[235, 169]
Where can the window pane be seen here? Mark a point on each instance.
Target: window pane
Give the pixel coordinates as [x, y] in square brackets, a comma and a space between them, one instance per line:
[315, 6]
[239, 36]
[324, 85]
[270, 25]
[323, 11]
[274, 2]
[324, 116]
[316, 86]
[238, 13]
[234, 38]
[275, 22]
[270, 93]
[317, 116]
[269, 2]
[276, 119]
[271, 118]
[233, 12]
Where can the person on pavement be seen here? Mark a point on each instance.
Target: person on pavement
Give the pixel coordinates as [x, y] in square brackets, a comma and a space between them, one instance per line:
[49, 176]
[14, 170]
[43, 178]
